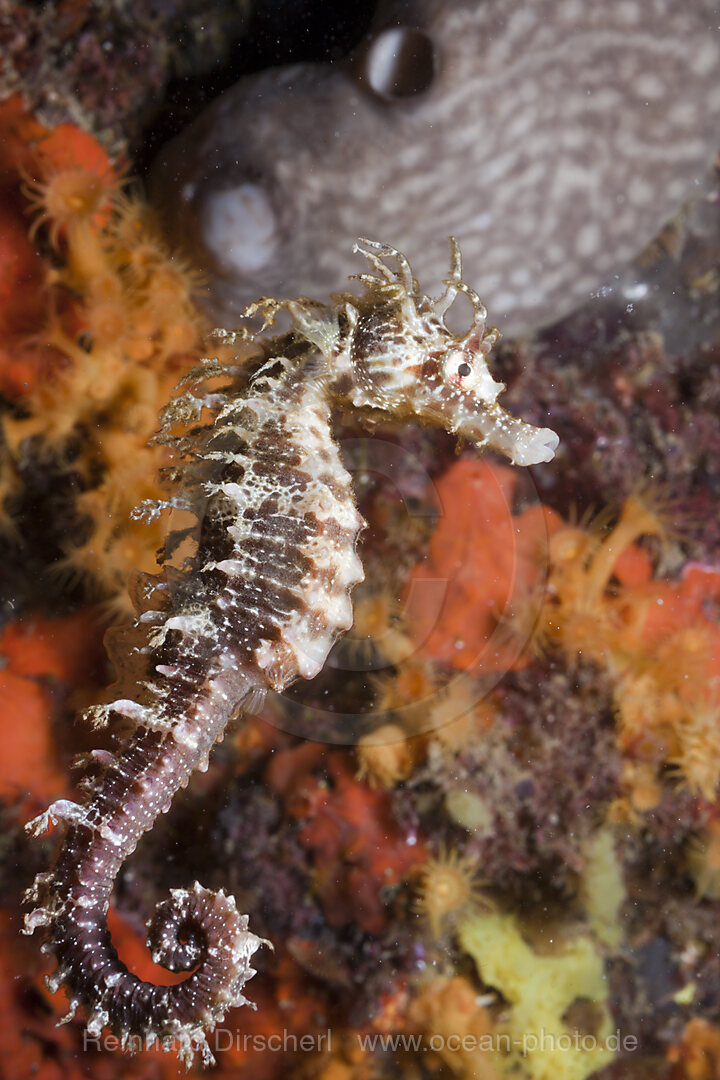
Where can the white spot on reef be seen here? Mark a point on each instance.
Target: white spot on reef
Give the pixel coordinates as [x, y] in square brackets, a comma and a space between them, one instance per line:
[570, 11]
[520, 276]
[239, 227]
[682, 113]
[637, 291]
[607, 99]
[588, 239]
[639, 190]
[629, 12]
[705, 57]
[573, 138]
[650, 85]
[505, 300]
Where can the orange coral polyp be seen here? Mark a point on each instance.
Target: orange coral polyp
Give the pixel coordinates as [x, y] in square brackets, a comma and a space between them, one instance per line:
[180, 336]
[133, 220]
[105, 286]
[142, 260]
[69, 199]
[107, 323]
[637, 519]
[171, 284]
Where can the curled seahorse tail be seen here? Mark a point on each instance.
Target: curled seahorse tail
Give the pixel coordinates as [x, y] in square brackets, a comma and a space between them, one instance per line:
[194, 930]
[141, 1013]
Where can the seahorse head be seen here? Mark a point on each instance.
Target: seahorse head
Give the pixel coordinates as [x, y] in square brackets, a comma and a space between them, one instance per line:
[394, 352]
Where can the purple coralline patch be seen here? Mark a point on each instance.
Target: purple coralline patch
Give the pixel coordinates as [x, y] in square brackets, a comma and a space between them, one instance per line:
[545, 774]
[105, 66]
[627, 411]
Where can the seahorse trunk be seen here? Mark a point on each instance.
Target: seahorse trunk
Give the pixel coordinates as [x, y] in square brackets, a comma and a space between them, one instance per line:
[259, 603]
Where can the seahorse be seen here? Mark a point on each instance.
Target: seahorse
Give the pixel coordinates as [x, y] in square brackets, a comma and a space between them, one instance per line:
[258, 603]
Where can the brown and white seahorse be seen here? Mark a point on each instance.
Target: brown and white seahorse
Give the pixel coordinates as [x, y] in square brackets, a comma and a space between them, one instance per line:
[259, 603]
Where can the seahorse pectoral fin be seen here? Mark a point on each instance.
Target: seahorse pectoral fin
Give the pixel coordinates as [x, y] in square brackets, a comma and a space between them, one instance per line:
[316, 323]
[62, 810]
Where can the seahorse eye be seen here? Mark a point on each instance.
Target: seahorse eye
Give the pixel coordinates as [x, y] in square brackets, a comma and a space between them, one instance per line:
[468, 373]
[456, 366]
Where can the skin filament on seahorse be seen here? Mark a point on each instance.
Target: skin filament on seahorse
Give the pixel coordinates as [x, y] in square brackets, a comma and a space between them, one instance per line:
[258, 604]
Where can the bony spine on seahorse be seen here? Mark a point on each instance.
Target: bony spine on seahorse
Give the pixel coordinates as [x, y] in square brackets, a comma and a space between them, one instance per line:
[258, 604]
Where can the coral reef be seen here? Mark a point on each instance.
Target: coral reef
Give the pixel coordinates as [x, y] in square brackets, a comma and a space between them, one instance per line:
[518, 736]
[653, 636]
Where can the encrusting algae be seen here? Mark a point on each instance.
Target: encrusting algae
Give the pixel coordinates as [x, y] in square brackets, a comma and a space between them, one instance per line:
[540, 990]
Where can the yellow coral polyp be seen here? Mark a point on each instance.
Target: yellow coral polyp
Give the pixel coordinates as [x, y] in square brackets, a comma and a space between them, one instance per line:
[698, 758]
[179, 336]
[378, 627]
[415, 682]
[449, 885]
[604, 603]
[133, 230]
[682, 661]
[458, 714]
[385, 756]
[580, 613]
[107, 323]
[638, 518]
[458, 1027]
[169, 285]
